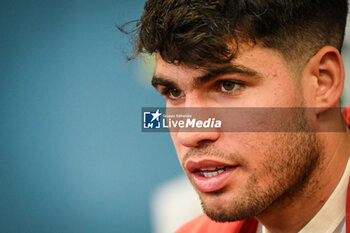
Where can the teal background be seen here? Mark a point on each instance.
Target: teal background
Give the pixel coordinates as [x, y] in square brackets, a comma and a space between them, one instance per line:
[72, 155]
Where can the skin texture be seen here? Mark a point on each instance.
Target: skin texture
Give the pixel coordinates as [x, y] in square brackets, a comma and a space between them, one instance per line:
[277, 174]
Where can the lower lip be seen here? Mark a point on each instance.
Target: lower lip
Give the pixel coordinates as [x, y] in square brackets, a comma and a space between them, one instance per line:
[211, 184]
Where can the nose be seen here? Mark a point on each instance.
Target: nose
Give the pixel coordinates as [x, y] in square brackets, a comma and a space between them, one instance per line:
[195, 139]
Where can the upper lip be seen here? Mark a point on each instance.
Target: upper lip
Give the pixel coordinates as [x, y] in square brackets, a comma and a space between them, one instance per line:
[193, 166]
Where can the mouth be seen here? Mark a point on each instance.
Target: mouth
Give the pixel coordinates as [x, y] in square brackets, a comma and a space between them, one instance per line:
[209, 176]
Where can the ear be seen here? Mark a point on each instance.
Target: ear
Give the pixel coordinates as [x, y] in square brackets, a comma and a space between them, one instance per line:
[324, 74]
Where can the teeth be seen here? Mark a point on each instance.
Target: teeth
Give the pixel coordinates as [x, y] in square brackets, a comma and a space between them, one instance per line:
[212, 173]
[209, 169]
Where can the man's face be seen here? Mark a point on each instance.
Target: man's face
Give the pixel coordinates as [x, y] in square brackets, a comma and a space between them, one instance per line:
[240, 174]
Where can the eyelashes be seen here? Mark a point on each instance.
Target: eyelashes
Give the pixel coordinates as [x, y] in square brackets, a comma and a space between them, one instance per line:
[226, 87]
[229, 86]
[173, 93]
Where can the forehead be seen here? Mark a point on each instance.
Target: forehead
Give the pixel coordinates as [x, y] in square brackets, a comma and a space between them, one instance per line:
[177, 73]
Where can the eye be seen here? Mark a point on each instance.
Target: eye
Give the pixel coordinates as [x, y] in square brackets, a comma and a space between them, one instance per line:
[229, 86]
[175, 94]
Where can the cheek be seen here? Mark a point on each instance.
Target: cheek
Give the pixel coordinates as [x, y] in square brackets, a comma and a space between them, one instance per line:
[250, 146]
[248, 140]
[280, 94]
[285, 89]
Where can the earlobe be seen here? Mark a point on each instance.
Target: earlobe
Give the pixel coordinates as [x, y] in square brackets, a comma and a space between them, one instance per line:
[329, 74]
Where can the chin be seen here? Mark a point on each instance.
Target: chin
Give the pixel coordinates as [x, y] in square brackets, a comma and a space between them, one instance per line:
[220, 207]
[226, 206]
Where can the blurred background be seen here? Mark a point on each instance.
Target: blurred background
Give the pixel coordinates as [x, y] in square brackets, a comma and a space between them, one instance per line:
[72, 155]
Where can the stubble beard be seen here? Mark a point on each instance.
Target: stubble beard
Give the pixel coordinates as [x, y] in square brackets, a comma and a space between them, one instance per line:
[290, 163]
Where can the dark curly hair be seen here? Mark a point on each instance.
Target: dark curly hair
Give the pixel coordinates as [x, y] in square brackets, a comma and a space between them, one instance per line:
[205, 32]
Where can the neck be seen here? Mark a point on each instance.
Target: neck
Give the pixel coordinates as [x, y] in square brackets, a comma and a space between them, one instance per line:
[281, 215]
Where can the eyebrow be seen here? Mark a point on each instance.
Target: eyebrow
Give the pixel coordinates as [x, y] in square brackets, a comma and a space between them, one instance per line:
[159, 81]
[208, 76]
[228, 69]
